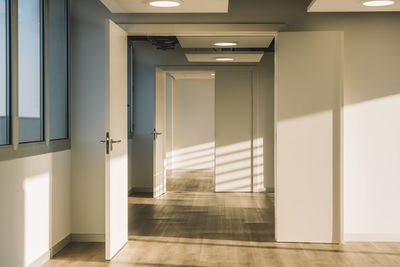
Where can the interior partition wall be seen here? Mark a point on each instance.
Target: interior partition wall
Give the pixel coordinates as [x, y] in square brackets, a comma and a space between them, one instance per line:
[233, 130]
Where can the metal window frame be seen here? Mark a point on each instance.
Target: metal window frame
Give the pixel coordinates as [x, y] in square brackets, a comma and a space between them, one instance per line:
[68, 56]
[8, 73]
[15, 149]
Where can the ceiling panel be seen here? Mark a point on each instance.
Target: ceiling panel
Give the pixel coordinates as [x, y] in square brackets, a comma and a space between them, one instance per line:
[209, 41]
[348, 6]
[237, 57]
[187, 6]
[197, 75]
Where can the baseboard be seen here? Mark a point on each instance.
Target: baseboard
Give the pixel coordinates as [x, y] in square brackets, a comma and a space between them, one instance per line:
[372, 237]
[130, 191]
[60, 245]
[41, 260]
[270, 190]
[141, 190]
[95, 238]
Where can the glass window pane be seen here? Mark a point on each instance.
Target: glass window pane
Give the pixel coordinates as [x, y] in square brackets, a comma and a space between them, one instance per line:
[58, 69]
[29, 74]
[4, 96]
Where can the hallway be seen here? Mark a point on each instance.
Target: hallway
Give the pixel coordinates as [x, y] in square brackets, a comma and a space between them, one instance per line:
[192, 226]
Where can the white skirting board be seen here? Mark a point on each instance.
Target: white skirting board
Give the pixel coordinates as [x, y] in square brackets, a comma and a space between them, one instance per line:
[63, 243]
[141, 190]
[372, 237]
[60, 245]
[95, 238]
[41, 260]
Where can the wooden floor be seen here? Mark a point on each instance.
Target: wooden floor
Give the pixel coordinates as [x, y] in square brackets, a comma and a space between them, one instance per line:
[192, 226]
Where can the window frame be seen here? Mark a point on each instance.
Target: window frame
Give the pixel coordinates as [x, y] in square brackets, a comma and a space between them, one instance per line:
[8, 74]
[68, 54]
[15, 149]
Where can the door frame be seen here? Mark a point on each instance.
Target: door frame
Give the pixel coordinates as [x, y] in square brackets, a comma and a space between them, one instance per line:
[255, 119]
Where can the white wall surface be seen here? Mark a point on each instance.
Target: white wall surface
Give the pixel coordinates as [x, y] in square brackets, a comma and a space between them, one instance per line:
[233, 130]
[265, 120]
[193, 124]
[308, 101]
[169, 120]
[371, 72]
[35, 205]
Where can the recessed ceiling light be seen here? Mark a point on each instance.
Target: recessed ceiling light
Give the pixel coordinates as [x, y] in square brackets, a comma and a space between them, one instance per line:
[164, 3]
[226, 44]
[378, 3]
[224, 59]
[213, 74]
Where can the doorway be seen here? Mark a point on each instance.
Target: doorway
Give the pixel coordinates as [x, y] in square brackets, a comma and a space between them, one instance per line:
[190, 131]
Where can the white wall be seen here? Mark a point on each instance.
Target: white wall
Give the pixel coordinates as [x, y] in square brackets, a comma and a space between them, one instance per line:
[193, 124]
[308, 136]
[35, 205]
[169, 120]
[265, 120]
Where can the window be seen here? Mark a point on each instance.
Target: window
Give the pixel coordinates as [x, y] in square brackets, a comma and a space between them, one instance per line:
[39, 60]
[30, 71]
[57, 37]
[4, 88]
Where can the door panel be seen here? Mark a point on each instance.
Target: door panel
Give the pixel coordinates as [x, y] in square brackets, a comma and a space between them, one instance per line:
[159, 135]
[308, 99]
[116, 125]
[233, 131]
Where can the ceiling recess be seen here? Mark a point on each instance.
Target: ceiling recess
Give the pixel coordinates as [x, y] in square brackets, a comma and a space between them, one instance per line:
[240, 41]
[350, 6]
[249, 57]
[186, 6]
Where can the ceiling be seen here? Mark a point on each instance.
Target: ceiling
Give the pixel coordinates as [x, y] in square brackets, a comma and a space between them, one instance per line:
[347, 6]
[190, 75]
[187, 6]
[209, 41]
[248, 57]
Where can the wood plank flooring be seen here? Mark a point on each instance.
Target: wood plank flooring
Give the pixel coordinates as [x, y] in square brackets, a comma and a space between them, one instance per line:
[192, 226]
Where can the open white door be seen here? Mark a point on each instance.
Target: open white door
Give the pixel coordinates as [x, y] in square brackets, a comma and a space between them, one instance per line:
[159, 134]
[116, 139]
[308, 99]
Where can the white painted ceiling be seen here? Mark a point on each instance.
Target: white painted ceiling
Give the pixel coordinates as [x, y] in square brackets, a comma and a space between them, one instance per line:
[247, 57]
[193, 75]
[209, 41]
[187, 6]
[348, 6]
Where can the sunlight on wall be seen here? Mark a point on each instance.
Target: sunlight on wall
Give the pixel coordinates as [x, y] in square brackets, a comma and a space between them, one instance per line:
[37, 216]
[233, 167]
[371, 168]
[232, 164]
[258, 165]
[194, 157]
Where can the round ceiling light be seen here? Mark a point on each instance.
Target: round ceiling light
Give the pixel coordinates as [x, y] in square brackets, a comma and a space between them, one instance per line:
[165, 3]
[378, 3]
[226, 44]
[224, 59]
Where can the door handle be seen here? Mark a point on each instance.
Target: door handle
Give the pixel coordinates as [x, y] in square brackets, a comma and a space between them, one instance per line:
[114, 142]
[155, 134]
[107, 143]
